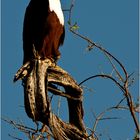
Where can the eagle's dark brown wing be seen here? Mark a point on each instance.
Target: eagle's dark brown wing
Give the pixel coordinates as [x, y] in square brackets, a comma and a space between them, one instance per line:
[43, 30]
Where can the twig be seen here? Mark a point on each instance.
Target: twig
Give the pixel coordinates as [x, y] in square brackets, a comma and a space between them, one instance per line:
[103, 76]
[70, 11]
[58, 106]
[19, 126]
[123, 88]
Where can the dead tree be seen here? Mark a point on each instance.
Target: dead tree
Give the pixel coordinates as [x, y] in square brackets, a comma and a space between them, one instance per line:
[39, 77]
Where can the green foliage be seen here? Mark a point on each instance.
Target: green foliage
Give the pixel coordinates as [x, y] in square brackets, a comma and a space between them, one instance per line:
[74, 26]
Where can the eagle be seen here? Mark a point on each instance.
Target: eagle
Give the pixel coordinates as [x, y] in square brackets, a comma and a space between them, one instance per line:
[43, 29]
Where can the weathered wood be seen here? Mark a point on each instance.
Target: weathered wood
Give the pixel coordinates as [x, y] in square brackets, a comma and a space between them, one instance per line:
[39, 77]
[23, 71]
[35, 89]
[76, 114]
[58, 76]
[65, 131]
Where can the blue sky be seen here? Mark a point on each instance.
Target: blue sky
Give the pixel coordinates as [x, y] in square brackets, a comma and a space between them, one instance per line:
[110, 23]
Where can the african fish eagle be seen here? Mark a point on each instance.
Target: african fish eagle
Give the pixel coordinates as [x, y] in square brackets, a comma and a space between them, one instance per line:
[43, 28]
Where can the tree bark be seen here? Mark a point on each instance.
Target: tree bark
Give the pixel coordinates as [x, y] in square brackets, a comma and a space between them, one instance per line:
[39, 77]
